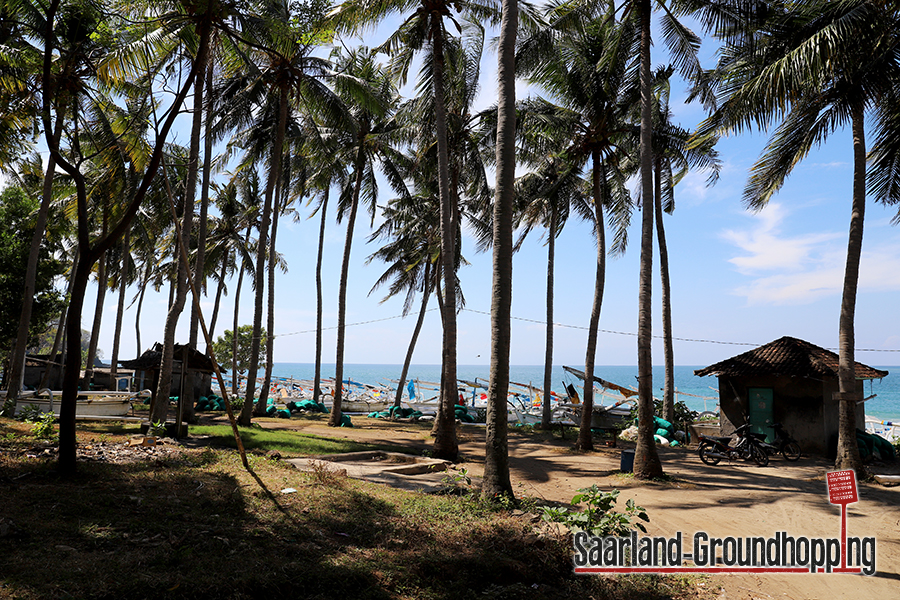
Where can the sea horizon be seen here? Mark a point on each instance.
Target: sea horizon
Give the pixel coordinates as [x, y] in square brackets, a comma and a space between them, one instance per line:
[698, 393]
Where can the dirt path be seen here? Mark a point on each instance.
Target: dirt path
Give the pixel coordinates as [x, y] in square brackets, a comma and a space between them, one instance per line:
[729, 499]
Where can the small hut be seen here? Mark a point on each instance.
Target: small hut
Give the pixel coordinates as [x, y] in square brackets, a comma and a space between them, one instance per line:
[788, 381]
[146, 368]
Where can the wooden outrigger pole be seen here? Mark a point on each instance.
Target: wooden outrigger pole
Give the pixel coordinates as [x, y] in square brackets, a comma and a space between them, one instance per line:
[209, 345]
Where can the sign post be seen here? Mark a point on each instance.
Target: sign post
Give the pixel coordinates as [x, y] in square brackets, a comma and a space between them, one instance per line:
[842, 490]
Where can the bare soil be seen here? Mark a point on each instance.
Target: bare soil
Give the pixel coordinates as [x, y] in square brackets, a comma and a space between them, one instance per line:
[729, 499]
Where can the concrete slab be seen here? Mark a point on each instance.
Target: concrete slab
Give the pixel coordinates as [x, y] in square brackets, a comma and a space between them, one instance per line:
[403, 471]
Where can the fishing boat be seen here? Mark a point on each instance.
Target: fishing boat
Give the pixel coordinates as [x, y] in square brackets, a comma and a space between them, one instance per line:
[96, 404]
[603, 416]
[889, 430]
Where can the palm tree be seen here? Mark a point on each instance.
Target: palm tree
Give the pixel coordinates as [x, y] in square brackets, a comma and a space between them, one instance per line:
[89, 251]
[548, 194]
[496, 480]
[282, 69]
[818, 66]
[470, 193]
[682, 44]
[585, 64]
[673, 157]
[423, 28]
[411, 227]
[363, 135]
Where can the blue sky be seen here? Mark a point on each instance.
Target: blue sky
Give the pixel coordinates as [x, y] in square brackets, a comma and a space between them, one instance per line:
[737, 277]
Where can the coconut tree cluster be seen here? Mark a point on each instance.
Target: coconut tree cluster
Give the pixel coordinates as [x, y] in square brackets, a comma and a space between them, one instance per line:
[286, 108]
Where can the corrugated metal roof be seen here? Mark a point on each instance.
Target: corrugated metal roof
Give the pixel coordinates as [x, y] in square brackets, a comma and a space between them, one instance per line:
[786, 356]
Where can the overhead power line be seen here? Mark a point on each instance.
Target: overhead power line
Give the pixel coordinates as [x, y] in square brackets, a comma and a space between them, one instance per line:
[609, 331]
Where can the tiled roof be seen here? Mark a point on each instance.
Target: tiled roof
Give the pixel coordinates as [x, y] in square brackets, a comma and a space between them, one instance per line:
[150, 359]
[786, 356]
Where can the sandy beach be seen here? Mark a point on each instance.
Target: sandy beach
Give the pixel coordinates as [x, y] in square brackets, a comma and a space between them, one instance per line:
[729, 499]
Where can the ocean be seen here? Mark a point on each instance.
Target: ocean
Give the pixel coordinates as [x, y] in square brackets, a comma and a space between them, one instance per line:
[698, 393]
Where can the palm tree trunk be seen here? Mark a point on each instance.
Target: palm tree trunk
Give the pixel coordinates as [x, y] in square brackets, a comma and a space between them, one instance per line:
[270, 316]
[585, 440]
[646, 459]
[235, 383]
[669, 387]
[317, 383]
[120, 310]
[161, 406]
[102, 282]
[67, 448]
[496, 460]
[426, 277]
[199, 275]
[445, 444]
[137, 316]
[17, 359]
[548, 345]
[848, 451]
[338, 393]
[220, 288]
[60, 331]
[274, 173]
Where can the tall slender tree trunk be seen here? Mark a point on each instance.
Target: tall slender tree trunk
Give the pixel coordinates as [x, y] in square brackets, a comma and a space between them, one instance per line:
[235, 382]
[88, 253]
[426, 289]
[496, 460]
[120, 309]
[274, 173]
[646, 459]
[161, 406]
[338, 394]
[848, 450]
[187, 412]
[220, 288]
[270, 313]
[60, 332]
[67, 447]
[17, 359]
[140, 305]
[585, 440]
[665, 292]
[102, 282]
[445, 444]
[548, 344]
[317, 382]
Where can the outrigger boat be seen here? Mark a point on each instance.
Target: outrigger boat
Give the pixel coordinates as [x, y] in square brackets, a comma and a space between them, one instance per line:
[89, 405]
[603, 416]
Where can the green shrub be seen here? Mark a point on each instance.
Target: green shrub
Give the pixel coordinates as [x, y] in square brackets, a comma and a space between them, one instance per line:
[598, 518]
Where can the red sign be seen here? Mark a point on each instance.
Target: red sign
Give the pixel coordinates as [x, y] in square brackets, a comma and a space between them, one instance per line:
[842, 487]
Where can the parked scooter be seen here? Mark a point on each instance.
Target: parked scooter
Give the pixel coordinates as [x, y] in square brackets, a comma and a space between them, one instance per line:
[714, 449]
[784, 443]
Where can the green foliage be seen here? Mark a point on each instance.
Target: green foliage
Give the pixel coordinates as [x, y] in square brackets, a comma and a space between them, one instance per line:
[30, 414]
[43, 427]
[16, 228]
[598, 518]
[223, 348]
[684, 416]
[42, 422]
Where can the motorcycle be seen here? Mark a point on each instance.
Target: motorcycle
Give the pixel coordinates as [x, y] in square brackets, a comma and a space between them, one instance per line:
[714, 449]
[784, 443]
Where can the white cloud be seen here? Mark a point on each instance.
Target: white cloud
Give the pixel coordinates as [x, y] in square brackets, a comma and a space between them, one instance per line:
[802, 269]
[767, 250]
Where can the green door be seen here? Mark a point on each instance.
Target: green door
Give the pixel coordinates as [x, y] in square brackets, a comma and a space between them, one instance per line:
[761, 410]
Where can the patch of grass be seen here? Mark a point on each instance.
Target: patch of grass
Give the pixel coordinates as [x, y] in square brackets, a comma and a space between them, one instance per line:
[289, 443]
[199, 526]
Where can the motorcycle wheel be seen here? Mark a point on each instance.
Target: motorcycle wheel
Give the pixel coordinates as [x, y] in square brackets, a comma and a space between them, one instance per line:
[704, 451]
[791, 451]
[759, 455]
